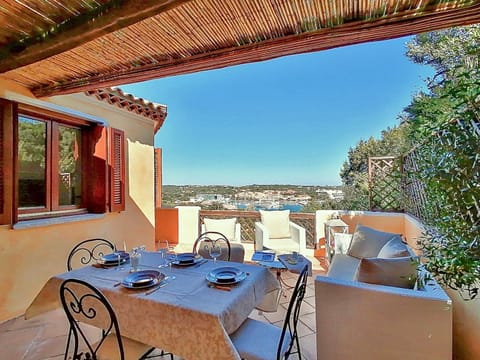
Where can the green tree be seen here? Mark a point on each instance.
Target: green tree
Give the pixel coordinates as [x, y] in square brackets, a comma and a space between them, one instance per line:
[354, 173]
[445, 123]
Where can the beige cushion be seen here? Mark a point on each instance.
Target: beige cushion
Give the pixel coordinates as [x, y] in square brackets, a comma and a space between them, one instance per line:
[395, 247]
[343, 267]
[399, 272]
[224, 226]
[367, 242]
[277, 222]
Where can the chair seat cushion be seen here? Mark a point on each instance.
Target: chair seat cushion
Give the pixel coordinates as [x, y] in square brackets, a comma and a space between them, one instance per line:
[256, 340]
[283, 245]
[133, 350]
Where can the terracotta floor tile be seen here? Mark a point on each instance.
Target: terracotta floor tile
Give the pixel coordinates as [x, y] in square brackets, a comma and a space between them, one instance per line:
[16, 343]
[308, 347]
[310, 321]
[47, 348]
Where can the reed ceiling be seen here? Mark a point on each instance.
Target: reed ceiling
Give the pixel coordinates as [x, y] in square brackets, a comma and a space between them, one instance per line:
[65, 46]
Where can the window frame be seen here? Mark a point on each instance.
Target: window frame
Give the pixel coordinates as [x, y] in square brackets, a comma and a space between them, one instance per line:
[103, 151]
[53, 121]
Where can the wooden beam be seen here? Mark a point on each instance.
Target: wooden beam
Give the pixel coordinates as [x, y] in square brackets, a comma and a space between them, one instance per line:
[348, 34]
[74, 33]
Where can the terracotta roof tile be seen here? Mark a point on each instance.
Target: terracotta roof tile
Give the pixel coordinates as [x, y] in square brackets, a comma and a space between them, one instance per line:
[116, 96]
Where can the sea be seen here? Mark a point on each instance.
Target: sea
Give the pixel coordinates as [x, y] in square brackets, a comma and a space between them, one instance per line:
[291, 207]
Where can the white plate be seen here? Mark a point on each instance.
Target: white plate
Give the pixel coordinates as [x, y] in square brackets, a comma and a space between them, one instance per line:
[142, 279]
[226, 275]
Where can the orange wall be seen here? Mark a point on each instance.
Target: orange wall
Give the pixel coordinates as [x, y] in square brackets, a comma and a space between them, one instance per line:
[390, 222]
[166, 225]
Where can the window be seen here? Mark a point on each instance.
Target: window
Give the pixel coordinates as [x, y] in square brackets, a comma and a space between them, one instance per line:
[49, 166]
[53, 164]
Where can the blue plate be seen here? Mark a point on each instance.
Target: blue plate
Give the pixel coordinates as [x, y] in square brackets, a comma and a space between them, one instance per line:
[226, 275]
[186, 259]
[142, 279]
[112, 259]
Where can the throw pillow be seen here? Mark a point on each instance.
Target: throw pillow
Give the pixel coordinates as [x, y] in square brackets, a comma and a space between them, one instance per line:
[277, 222]
[394, 248]
[367, 242]
[399, 272]
[224, 226]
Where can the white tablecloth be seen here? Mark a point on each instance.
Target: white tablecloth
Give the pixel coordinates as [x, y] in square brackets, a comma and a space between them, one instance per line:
[185, 317]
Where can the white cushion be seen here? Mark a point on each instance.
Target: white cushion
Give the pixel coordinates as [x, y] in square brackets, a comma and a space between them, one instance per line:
[367, 242]
[223, 226]
[257, 340]
[398, 272]
[395, 247]
[343, 267]
[342, 242]
[277, 222]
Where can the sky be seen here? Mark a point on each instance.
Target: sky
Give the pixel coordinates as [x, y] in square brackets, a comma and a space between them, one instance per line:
[289, 120]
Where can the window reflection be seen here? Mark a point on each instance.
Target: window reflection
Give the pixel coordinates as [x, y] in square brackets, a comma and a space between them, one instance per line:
[69, 166]
[32, 137]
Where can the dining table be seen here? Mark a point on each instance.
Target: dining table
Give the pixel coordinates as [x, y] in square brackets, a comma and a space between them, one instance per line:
[183, 314]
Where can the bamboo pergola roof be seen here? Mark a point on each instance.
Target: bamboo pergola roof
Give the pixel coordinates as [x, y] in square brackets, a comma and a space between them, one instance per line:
[65, 46]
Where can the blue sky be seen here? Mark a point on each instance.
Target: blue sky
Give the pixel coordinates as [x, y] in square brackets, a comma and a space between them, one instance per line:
[290, 120]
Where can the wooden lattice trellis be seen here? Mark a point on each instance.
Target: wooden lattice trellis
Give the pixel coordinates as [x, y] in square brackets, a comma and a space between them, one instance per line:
[384, 184]
[413, 188]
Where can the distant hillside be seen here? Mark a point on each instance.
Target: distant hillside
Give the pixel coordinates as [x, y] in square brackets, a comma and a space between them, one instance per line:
[222, 196]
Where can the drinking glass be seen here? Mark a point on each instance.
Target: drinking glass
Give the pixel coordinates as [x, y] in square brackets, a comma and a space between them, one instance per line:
[172, 257]
[215, 251]
[162, 248]
[119, 266]
[135, 257]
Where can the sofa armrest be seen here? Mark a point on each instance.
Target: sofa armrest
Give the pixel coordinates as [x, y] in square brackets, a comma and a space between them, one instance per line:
[261, 236]
[356, 320]
[298, 235]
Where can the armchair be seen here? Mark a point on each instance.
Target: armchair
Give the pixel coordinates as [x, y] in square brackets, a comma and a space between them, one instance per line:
[277, 232]
[231, 229]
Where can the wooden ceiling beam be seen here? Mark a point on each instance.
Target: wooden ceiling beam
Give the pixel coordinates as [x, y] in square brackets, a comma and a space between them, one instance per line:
[347, 34]
[74, 33]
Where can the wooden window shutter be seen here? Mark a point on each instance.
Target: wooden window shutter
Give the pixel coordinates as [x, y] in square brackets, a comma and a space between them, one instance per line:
[117, 170]
[7, 144]
[96, 184]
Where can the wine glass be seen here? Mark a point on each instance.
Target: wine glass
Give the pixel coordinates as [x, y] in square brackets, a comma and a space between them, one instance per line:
[162, 248]
[172, 257]
[215, 251]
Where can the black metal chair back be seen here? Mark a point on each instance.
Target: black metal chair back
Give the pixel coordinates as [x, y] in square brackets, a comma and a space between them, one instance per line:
[89, 250]
[205, 240]
[83, 303]
[292, 316]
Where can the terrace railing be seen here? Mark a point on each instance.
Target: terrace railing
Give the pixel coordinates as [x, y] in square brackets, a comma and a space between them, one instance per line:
[248, 218]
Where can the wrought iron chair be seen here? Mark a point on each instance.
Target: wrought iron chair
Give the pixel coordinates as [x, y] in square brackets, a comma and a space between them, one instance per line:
[204, 241]
[84, 304]
[89, 250]
[257, 340]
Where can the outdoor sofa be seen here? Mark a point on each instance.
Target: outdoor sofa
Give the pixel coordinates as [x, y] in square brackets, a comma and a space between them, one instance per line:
[360, 315]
